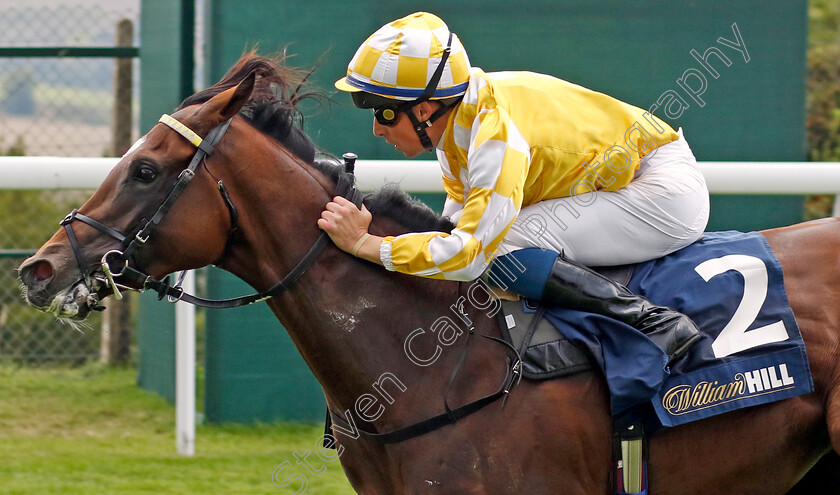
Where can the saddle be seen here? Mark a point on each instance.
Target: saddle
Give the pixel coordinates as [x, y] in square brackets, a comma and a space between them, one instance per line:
[546, 353]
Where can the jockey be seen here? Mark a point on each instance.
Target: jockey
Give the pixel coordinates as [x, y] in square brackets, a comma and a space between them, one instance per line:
[540, 174]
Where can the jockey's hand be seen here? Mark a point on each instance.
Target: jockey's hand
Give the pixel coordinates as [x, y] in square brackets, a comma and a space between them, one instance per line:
[347, 225]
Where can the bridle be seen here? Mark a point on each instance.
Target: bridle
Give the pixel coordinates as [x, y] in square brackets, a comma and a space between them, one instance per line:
[118, 263]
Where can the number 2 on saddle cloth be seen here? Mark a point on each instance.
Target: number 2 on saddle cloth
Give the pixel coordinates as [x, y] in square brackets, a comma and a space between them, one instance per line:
[730, 284]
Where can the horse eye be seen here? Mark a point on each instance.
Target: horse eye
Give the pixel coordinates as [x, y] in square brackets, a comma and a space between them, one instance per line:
[145, 173]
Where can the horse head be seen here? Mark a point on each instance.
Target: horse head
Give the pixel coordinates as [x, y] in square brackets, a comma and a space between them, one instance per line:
[133, 218]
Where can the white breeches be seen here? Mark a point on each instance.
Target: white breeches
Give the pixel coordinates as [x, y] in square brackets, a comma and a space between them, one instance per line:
[664, 208]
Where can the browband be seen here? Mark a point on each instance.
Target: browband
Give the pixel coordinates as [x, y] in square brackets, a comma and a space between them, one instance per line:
[181, 129]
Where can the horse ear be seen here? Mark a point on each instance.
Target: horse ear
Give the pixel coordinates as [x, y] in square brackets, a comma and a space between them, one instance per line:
[227, 103]
[241, 93]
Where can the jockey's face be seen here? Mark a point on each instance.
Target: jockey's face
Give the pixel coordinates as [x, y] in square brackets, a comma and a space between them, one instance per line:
[402, 134]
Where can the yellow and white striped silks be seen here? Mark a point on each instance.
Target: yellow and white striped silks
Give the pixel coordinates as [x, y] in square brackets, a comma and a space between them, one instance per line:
[516, 139]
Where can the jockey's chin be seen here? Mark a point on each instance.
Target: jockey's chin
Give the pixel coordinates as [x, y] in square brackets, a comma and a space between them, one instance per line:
[410, 150]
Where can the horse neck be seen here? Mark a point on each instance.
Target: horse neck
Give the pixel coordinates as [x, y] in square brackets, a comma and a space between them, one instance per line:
[349, 320]
[347, 317]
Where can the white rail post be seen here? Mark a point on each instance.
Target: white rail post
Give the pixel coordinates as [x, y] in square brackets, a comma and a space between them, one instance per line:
[185, 371]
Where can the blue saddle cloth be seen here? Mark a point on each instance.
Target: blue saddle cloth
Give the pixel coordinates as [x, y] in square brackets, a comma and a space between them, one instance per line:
[751, 351]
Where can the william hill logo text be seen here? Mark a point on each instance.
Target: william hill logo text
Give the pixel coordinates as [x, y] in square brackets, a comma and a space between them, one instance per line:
[687, 398]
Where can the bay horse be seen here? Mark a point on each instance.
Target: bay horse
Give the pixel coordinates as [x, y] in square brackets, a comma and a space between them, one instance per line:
[252, 209]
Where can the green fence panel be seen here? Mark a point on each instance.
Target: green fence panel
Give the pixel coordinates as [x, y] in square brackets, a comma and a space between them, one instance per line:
[156, 343]
[252, 370]
[167, 34]
[754, 212]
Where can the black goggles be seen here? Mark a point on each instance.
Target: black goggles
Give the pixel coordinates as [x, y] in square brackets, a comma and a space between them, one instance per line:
[387, 115]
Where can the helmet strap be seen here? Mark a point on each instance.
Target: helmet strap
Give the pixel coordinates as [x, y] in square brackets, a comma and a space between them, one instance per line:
[428, 92]
[420, 126]
[420, 129]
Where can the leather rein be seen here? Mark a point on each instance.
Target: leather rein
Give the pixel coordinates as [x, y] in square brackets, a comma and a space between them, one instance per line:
[117, 263]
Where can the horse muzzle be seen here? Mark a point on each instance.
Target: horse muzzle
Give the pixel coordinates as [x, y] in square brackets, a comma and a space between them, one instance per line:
[63, 297]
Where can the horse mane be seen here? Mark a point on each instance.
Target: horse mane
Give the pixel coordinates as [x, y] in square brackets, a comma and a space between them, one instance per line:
[391, 202]
[273, 106]
[273, 110]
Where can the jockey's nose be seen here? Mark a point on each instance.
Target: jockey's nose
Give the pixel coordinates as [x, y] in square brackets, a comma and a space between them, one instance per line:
[377, 129]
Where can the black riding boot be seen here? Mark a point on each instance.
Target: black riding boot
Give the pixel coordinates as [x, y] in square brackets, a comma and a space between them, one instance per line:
[576, 287]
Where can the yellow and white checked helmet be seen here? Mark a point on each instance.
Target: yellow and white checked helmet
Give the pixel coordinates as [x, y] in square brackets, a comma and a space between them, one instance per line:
[401, 57]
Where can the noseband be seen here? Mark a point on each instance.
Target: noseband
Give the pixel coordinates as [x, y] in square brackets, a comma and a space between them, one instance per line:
[117, 263]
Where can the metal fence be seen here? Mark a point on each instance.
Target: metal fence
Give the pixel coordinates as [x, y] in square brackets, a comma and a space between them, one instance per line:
[56, 90]
[27, 336]
[57, 98]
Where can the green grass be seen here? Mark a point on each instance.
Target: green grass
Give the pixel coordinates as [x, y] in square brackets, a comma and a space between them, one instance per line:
[92, 431]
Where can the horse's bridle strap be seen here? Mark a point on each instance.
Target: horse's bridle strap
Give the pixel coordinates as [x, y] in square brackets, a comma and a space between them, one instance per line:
[75, 215]
[129, 243]
[205, 148]
[181, 129]
[345, 188]
[165, 289]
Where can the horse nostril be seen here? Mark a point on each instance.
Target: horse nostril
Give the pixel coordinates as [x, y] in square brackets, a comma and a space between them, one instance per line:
[39, 271]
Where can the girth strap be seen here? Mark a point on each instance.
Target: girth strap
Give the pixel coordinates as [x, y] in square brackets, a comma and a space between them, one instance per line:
[423, 427]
